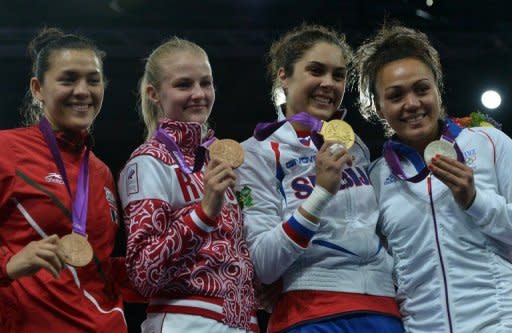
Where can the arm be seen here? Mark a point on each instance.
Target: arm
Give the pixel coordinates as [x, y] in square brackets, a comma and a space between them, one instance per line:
[160, 235]
[491, 210]
[36, 255]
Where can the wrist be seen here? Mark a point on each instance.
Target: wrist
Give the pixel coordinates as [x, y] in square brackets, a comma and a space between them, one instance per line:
[317, 201]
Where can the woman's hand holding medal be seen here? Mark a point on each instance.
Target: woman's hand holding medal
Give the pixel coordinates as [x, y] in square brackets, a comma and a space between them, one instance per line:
[43, 254]
[457, 176]
[333, 155]
[225, 156]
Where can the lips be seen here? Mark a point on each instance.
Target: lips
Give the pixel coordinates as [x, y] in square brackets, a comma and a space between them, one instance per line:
[80, 107]
[326, 100]
[414, 119]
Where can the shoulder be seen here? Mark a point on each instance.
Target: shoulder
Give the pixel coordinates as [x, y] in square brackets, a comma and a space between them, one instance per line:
[155, 150]
[377, 167]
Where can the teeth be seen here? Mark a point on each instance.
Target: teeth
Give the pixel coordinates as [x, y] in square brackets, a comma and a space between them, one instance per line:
[80, 107]
[322, 99]
[414, 119]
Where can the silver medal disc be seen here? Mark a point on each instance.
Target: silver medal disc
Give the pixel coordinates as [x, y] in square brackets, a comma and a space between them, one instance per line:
[440, 147]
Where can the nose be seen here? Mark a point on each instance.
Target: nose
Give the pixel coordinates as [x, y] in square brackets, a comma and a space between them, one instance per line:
[411, 102]
[82, 88]
[198, 92]
[328, 82]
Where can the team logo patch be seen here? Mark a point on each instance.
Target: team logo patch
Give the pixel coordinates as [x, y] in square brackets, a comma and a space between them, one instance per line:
[470, 157]
[132, 179]
[244, 197]
[54, 178]
[391, 179]
[110, 197]
[112, 205]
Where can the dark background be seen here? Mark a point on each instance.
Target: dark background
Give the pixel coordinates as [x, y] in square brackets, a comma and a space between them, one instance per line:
[474, 39]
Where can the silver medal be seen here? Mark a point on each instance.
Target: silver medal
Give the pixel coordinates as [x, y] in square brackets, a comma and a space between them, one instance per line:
[440, 147]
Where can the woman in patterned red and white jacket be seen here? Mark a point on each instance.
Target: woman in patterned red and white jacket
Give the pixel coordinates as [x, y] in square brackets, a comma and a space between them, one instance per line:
[185, 245]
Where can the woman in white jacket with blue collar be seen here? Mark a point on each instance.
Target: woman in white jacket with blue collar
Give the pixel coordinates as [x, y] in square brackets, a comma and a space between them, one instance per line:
[447, 220]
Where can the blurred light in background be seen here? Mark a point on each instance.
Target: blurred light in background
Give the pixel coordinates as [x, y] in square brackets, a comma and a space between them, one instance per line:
[491, 99]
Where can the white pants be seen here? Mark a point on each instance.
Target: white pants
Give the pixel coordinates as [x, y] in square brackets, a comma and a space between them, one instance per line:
[183, 323]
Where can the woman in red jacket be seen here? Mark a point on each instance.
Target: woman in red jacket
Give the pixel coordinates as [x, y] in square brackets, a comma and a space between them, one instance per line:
[57, 228]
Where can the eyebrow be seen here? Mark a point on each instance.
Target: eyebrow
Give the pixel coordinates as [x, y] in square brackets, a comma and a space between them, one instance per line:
[313, 62]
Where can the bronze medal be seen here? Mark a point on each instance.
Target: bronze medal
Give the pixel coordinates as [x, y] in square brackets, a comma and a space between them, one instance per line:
[339, 131]
[77, 249]
[227, 150]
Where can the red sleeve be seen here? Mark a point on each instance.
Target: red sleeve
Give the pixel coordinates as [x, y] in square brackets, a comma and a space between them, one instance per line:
[7, 175]
[159, 238]
[5, 256]
[7, 172]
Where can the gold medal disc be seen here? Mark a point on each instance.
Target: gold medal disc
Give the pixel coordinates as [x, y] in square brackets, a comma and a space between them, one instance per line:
[339, 131]
[227, 150]
[77, 249]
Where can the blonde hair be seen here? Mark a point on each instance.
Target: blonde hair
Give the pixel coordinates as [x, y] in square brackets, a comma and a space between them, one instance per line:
[151, 112]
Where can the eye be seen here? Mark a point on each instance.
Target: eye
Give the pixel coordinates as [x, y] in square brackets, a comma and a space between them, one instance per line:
[206, 83]
[394, 96]
[422, 89]
[94, 81]
[339, 75]
[183, 84]
[67, 79]
[316, 71]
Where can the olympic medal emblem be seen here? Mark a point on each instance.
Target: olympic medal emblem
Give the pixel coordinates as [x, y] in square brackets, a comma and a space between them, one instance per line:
[440, 147]
[77, 249]
[227, 150]
[339, 131]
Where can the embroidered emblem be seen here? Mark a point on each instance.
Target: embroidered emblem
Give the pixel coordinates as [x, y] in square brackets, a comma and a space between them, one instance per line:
[470, 157]
[244, 197]
[110, 196]
[54, 177]
[112, 205]
[391, 179]
[132, 179]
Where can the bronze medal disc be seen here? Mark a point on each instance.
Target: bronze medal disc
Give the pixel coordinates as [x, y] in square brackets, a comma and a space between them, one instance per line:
[77, 249]
[339, 131]
[227, 150]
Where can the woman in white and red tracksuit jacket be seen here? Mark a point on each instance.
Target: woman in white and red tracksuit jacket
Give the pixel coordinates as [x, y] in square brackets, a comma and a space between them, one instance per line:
[185, 245]
[310, 211]
[38, 292]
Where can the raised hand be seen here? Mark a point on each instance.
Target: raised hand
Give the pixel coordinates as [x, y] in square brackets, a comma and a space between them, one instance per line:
[217, 178]
[330, 160]
[36, 255]
[457, 176]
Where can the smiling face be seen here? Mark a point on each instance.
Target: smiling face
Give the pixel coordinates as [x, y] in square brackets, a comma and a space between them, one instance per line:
[317, 83]
[407, 97]
[72, 90]
[186, 92]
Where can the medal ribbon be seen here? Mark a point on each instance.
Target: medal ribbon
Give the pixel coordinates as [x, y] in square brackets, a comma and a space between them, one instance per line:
[173, 148]
[264, 130]
[80, 202]
[393, 149]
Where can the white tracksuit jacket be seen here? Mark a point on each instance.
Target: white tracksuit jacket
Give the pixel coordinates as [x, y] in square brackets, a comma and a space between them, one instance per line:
[452, 266]
[341, 253]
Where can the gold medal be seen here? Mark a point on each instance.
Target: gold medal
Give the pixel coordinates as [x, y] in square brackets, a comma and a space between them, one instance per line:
[77, 249]
[227, 150]
[339, 131]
